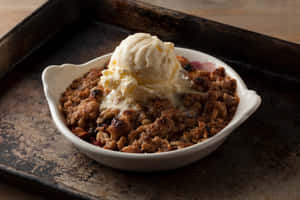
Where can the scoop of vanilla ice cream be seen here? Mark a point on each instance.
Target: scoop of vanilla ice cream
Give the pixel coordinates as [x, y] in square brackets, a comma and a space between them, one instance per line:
[140, 67]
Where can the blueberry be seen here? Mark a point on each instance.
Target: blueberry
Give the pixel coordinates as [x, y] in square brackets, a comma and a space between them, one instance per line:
[95, 92]
[188, 67]
[199, 81]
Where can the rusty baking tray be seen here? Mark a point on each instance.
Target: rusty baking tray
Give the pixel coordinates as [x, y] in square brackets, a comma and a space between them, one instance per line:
[260, 160]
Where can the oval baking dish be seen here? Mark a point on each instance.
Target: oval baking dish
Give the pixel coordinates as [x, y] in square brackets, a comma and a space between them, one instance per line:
[57, 78]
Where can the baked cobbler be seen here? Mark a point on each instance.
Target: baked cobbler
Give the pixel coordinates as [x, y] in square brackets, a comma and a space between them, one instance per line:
[148, 100]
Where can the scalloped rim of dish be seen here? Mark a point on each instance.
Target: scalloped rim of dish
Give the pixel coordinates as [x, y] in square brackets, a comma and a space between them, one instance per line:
[233, 124]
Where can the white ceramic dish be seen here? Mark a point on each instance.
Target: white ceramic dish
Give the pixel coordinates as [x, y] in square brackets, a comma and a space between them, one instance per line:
[57, 78]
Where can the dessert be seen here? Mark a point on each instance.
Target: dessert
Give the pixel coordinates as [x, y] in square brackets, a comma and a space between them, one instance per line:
[142, 67]
[148, 100]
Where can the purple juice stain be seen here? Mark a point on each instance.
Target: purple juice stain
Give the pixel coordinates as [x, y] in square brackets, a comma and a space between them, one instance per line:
[206, 66]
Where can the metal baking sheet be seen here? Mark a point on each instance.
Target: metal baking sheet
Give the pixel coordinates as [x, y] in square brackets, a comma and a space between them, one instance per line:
[260, 160]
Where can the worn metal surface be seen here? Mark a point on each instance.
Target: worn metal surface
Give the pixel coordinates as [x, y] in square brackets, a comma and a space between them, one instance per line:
[215, 38]
[260, 160]
[34, 31]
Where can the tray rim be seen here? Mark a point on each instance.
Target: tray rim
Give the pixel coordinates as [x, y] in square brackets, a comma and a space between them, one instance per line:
[167, 12]
[71, 194]
[24, 21]
[34, 14]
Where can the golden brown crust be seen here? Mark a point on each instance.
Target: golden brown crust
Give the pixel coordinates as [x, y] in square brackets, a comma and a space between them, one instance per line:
[157, 126]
